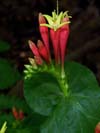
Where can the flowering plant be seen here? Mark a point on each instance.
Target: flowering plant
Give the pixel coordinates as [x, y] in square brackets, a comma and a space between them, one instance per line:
[66, 93]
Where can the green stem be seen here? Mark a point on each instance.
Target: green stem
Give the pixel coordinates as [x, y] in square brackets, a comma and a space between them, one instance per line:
[57, 7]
[61, 77]
[61, 80]
[62, 73]
[64, 86]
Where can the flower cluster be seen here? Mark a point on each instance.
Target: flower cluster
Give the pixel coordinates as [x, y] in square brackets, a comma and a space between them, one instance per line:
[58, 30]
[18, 115]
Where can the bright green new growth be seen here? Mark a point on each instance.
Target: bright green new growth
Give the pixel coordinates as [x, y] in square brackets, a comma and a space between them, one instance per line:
[51, 69]
[55, 21]
[4, 127]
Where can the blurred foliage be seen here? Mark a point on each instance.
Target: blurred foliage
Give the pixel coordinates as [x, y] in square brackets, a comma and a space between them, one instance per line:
[30, 122]
[8, 75]
[4, 46]
[7, 102]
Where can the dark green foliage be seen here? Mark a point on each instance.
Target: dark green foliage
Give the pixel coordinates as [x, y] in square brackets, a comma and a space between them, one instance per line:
[8, 75]
[79, 112]
[27, 125]
[42, 92]
[31, 122]
[4, 46]
[6, 105]
[7, 102]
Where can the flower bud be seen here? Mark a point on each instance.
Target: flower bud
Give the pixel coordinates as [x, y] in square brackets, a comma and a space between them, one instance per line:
[44, 32]
[43, 51]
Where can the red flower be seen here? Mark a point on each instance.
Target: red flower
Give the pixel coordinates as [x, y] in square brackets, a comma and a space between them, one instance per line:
[15, 113]
[44, 32]
[64, 33]
[55, 42]
[59, 32]
[97, 129]
[39, 52]
[18, 115]
[35, 51]
[33, 48]
[21, 115]
[43, 51]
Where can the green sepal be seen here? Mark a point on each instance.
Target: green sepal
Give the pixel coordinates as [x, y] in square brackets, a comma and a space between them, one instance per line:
[49, 19]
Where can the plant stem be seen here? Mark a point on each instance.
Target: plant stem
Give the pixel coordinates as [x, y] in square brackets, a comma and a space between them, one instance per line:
[62, 73]
[61, 80]
[64, 86]
[57, 7]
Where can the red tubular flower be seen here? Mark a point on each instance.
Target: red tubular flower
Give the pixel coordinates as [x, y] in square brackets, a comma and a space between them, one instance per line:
[39, 52]
[64, 33]
[33, 48]
[97, 129]
[18, 115]
[44, 32]
[15, 113]
[55, 41]
[43, 51]
[36, 53]
[21, 115]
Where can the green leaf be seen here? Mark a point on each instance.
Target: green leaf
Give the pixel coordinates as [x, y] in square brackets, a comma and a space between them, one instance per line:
[4, 46]
[30, 124]
[42, 92]
[80, 111]
[6, 117]
[33, 122]
[8, 75]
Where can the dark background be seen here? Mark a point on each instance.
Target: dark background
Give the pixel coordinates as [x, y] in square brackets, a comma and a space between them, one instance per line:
[19, 23]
